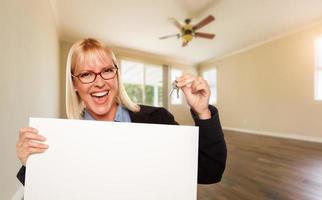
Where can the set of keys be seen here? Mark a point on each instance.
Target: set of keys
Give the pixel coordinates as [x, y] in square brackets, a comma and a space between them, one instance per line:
[174, 87]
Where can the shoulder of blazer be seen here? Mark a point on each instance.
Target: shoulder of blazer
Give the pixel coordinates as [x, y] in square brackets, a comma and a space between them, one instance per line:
[151, 114]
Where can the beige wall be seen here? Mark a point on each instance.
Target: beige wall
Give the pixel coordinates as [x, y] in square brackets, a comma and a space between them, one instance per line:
[269, 89]
[29, 77]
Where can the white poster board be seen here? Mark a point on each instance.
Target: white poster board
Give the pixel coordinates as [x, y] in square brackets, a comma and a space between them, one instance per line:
[114, 161]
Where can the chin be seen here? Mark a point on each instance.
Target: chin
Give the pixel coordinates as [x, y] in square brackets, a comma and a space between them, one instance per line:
[102, 110]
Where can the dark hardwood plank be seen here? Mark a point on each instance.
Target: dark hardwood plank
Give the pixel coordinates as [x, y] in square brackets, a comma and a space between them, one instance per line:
[268, 168]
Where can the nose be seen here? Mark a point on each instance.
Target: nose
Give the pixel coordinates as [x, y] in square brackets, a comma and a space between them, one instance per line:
[99, 81]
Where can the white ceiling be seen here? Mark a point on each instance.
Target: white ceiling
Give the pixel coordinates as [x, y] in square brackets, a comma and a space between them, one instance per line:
[137, 24]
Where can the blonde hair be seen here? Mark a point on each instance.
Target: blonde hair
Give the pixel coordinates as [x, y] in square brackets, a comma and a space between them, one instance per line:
[93, 48]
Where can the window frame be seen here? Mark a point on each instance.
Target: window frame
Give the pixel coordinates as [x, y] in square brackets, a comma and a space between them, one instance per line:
[213, 87]
[143, 83]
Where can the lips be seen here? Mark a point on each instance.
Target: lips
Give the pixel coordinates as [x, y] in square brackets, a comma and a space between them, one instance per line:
[99, 94]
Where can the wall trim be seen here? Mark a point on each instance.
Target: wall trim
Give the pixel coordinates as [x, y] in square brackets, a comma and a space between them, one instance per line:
[278, 135]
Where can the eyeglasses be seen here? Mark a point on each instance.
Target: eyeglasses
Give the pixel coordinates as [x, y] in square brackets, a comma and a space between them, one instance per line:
[89, 77]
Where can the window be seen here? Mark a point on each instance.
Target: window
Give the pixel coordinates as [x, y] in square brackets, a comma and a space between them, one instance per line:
[143, 82]
[175, 73]
[318, 69]
[211, 77]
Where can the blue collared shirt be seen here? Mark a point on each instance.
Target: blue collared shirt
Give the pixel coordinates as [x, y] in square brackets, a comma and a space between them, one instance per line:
[122, 115]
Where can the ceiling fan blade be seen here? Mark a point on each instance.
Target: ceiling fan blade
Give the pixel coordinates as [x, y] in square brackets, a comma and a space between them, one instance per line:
[205, 35]
[176, 23]
[204, 22]
[169, 36]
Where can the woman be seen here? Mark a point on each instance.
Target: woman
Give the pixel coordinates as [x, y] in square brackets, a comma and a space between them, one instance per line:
[94, 91]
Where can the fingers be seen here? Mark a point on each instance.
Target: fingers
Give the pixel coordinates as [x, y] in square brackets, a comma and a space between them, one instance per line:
[35, 150]
[200, 85]
[185, 80]
[30, 134]
[34, 144]
[29, 142]
[28, 129]
[197, 84]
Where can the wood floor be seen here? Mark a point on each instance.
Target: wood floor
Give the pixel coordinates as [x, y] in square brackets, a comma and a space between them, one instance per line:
[260, 167]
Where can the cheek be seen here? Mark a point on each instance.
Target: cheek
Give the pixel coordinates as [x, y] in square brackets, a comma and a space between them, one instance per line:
[81, 89]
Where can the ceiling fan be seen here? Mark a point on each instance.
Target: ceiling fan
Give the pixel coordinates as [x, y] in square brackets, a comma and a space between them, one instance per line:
[188, 31]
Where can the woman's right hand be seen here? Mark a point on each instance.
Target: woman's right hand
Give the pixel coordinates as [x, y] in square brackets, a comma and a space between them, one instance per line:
[29, 142]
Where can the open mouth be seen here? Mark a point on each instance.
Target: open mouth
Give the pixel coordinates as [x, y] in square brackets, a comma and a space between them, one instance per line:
[99, 95]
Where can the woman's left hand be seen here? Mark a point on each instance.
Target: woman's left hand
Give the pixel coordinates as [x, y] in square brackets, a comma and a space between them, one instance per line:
[197, 93]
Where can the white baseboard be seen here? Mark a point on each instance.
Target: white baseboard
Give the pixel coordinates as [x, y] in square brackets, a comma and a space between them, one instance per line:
[280, 135]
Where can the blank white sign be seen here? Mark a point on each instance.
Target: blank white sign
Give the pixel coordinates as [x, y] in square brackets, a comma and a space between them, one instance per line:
[113, 161]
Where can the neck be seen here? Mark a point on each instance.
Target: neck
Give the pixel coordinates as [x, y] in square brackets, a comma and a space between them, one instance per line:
[110, 116]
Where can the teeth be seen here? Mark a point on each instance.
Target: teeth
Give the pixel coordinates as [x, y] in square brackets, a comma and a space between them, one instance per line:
[99, 94]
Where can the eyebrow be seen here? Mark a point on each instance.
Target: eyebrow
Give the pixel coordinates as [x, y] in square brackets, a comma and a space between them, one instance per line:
[107, 67]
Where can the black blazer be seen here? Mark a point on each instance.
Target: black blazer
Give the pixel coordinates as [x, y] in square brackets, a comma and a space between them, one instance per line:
[212, 147]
